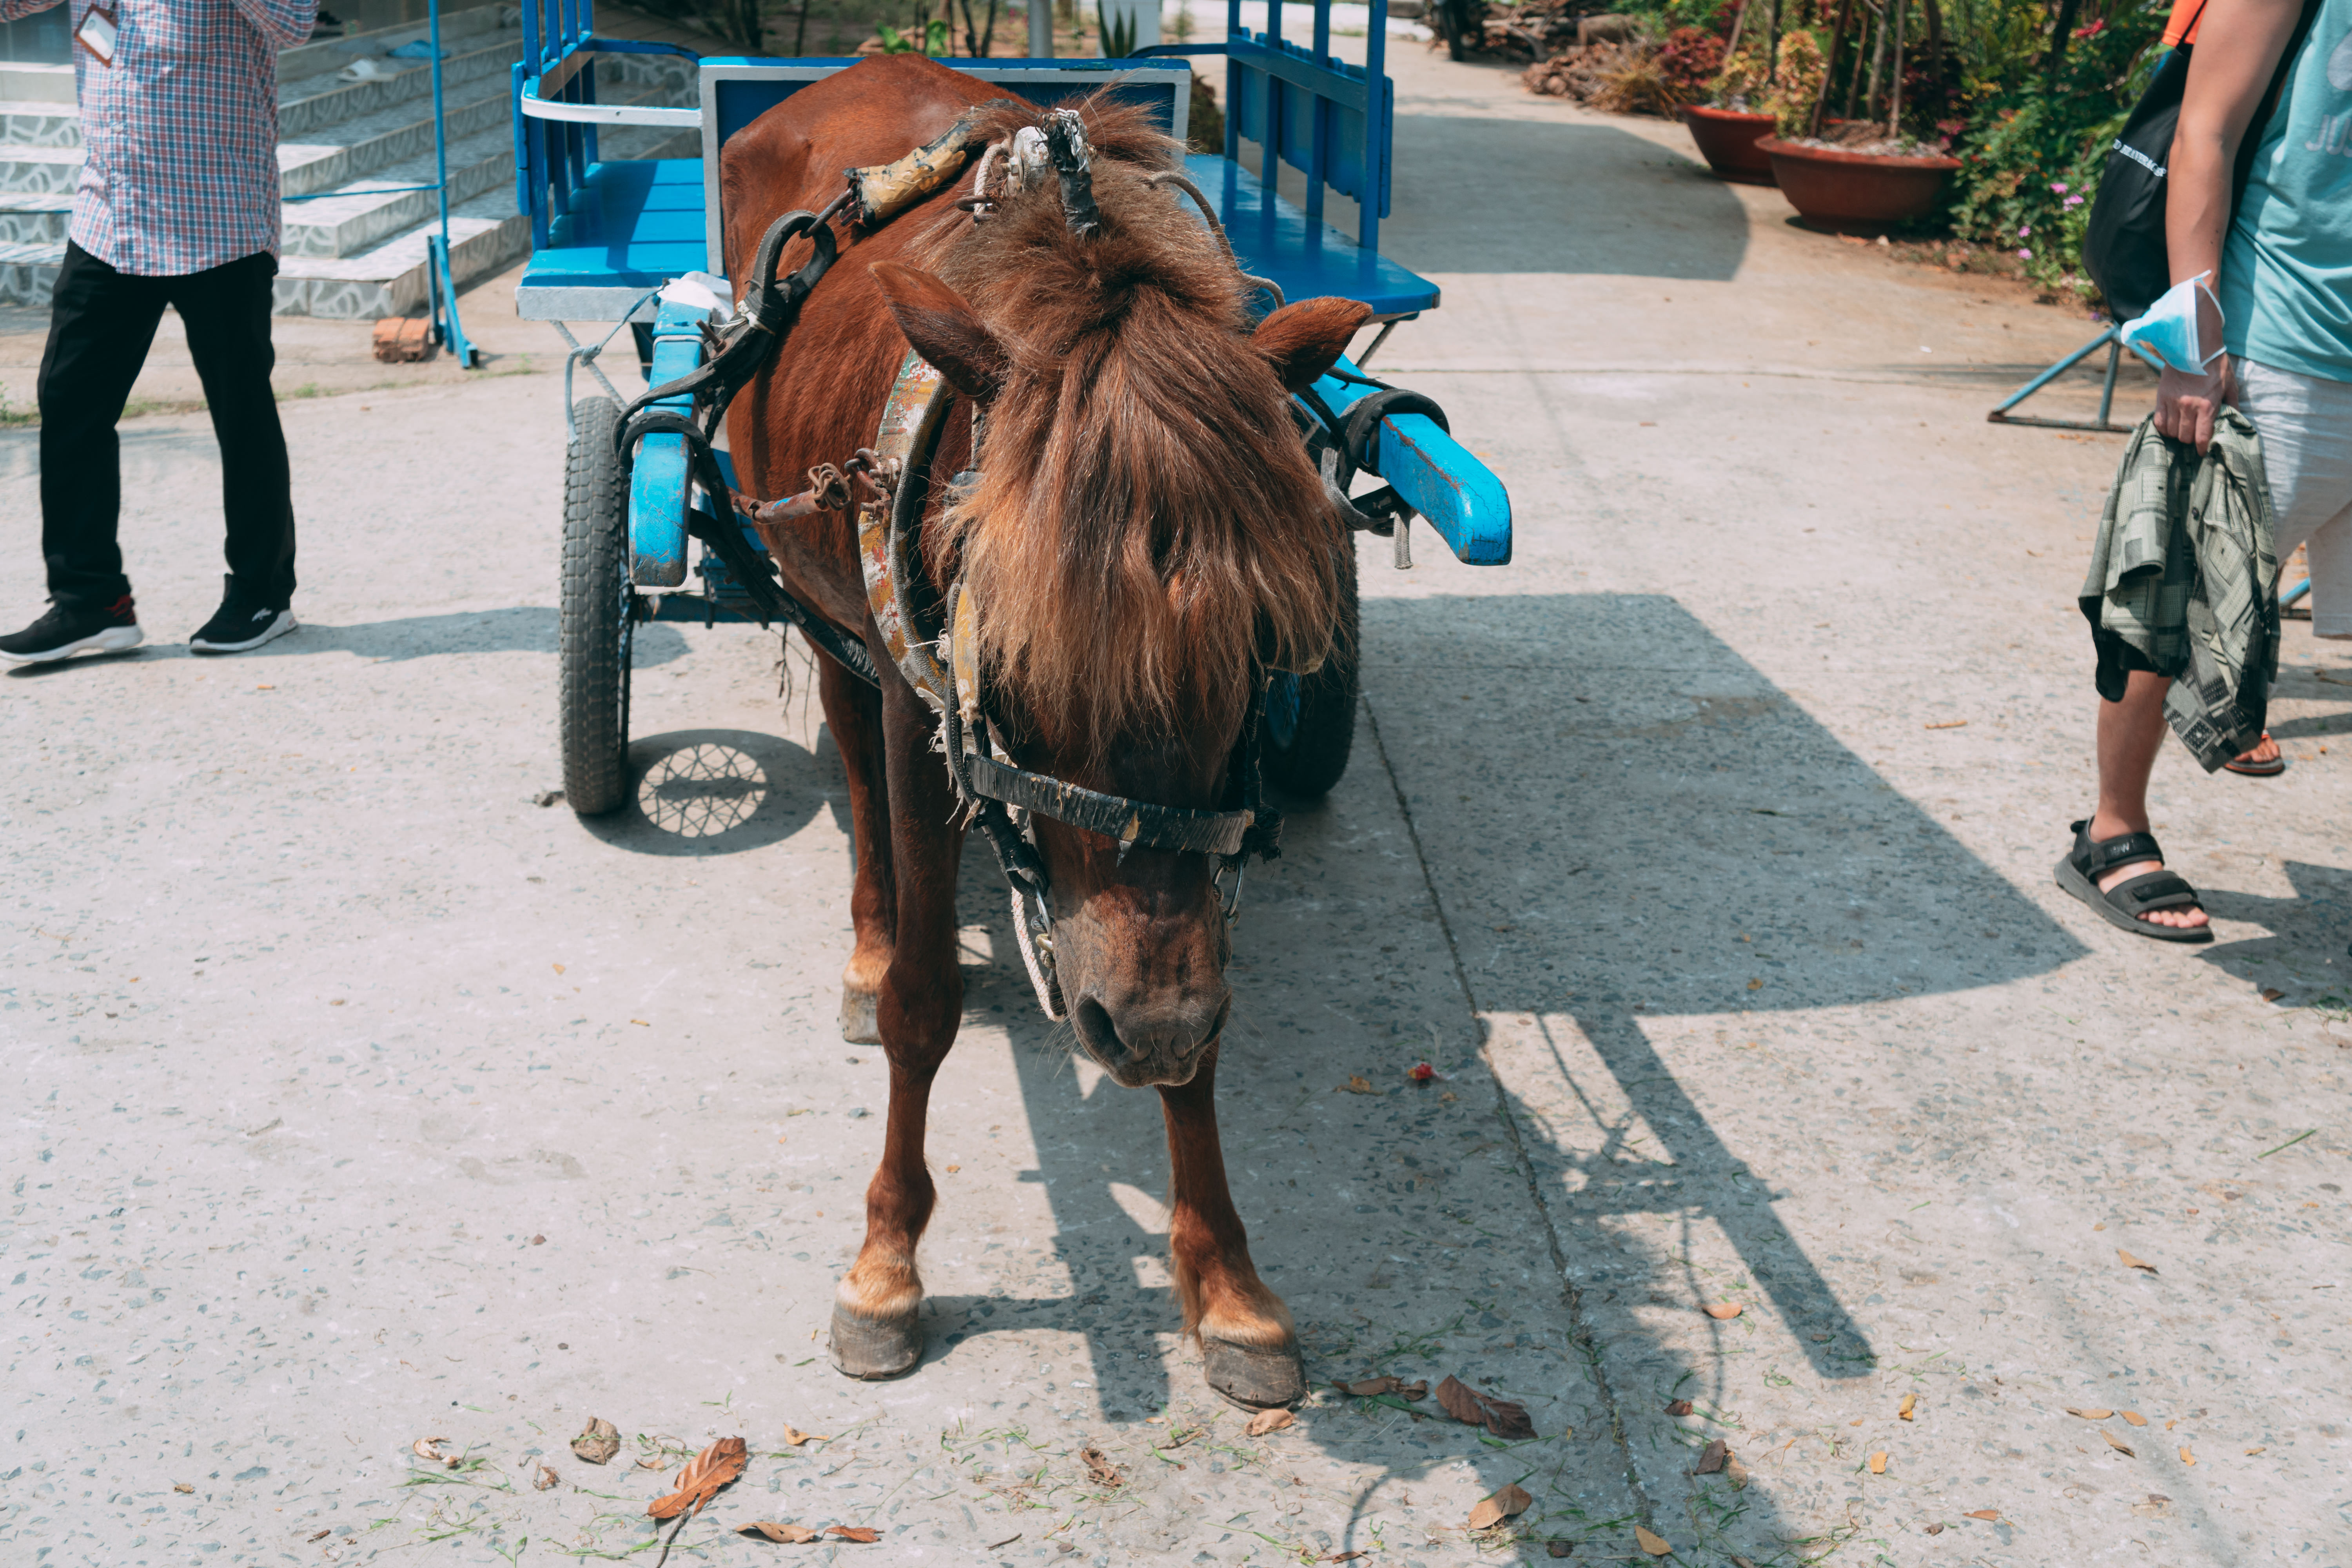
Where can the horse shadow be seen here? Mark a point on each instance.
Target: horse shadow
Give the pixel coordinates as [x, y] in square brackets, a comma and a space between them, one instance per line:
[1600, 823]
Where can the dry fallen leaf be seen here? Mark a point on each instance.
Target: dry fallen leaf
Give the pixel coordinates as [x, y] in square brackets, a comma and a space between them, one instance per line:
[1983, 1513]
[2271, 993]
[1678, 1408]
[1724, 1311]
[2117, 1444]
[2186, 1457]
[652, 1463]
[1413, 1390]
[1492, 1511]
[1935, 1530]
[1500, 1417]
[1099, 1467]
[1910, 1403]
[2131, 1262]
[1266, 1421]
[795, 1437]
[599, 1442]
[1878, 1463]
[700, 1481]
[1365, 1388]
[1655, 1546]
[2089, 1414]
[1357, 1084]
[430, 1448]
[1713, 1459]
[184, 1485]
[1737, 1472]
[794, 1533]
[1949, 724]
[545, 1478]
[2134, 1417]
[856, 1532]
[2252, 1452]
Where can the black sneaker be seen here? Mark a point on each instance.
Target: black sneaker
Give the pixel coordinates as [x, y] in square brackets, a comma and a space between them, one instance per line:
[67, 630]
[242, 622]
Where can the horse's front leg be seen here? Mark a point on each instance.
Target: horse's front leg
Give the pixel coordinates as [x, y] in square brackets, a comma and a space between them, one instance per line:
[1247, 1342]
[853, 710]
[877, 1329]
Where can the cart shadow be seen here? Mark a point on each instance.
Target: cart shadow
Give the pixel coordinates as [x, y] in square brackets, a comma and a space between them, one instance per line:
[1606, 798]
[715, 792]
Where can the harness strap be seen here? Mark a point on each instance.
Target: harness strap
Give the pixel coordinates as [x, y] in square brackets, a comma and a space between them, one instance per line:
[1131, 823]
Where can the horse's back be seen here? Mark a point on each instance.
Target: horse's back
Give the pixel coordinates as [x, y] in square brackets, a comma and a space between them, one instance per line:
[820, 398]
[792, 156]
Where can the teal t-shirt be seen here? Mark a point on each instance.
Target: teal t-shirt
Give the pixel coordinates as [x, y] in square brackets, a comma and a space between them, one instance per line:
[2286, 272]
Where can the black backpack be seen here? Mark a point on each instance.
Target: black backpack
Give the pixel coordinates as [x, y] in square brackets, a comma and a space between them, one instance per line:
[2124, 246]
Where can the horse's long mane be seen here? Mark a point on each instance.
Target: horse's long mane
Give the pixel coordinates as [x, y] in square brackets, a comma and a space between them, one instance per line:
[1146, 523]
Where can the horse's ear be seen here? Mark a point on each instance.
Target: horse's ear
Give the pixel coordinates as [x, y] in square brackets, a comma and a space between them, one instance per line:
[1305, 340]
[944, 330]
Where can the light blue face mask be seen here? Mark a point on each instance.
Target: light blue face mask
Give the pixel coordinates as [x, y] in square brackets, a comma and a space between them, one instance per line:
[2169, 330]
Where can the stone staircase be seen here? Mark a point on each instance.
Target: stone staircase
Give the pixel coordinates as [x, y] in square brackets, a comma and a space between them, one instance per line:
[356, 250]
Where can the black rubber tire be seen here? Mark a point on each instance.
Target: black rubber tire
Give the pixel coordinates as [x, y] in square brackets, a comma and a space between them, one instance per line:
[596, 626]
[1306, 749]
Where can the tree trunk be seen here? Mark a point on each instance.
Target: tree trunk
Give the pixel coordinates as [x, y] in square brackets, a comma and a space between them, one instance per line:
[1895, 85]
[1870, 99]
[1772, 44]
[2060, 37]
[1863, 40]
[1837, 42]
[1739, 21]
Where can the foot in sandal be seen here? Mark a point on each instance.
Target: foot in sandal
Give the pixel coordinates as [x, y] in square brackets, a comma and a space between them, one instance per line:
[2265, 761]
[2122, 876]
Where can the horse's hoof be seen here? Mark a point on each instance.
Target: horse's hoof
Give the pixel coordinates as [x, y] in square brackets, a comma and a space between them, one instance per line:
[1252, 1376]
[859, 1025]
[874, 1348]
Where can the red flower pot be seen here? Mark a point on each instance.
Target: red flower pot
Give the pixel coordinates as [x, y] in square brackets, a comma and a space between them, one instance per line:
[1840, 192]
[1726, 139]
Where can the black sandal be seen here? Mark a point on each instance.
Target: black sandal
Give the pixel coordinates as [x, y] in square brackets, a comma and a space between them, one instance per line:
[2124, 903]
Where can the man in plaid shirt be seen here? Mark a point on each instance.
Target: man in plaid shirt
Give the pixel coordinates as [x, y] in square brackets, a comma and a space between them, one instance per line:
[177, 205]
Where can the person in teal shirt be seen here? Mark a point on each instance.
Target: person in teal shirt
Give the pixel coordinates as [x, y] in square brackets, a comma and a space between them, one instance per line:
[2280, 271]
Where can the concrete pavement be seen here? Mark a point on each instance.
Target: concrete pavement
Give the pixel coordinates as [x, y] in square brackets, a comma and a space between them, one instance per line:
[1706, 848]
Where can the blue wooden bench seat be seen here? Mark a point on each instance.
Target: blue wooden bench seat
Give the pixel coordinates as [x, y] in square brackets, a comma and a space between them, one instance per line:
[633, 224]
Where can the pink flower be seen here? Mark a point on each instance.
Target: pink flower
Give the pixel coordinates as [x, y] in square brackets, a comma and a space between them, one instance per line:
[2025, 255]
[2059, 186]
[2025, 229]
[2074, 201]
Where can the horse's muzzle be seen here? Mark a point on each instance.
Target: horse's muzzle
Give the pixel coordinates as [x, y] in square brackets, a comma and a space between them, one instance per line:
[1142, 1046]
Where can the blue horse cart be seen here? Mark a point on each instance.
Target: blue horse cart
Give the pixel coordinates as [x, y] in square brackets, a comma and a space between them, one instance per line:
[612, 239]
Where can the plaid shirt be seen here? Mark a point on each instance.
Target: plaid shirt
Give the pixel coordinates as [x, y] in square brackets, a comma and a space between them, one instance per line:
[180, 133]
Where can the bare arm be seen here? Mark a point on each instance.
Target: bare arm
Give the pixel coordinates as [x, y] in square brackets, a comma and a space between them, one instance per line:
[284, 23]
[2238, 47]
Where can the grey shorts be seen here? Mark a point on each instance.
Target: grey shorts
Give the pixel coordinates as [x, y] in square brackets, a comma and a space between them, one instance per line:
[2307, 430]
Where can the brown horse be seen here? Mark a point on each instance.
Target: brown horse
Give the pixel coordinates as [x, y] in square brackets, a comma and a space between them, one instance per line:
[1146, 539]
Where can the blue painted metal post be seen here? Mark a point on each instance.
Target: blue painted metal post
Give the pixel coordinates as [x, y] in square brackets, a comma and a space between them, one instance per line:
[662, 482]
[1373, 197]
[441, 278]
[1233, 94]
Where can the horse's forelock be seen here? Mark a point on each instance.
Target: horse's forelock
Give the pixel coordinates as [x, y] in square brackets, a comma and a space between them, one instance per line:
[1146, 523]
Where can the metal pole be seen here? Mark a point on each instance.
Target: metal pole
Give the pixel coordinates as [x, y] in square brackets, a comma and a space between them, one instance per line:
[440, 128]
[1041, 30]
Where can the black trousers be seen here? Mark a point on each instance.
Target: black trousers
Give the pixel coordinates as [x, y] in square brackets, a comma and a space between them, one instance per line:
[101, 323]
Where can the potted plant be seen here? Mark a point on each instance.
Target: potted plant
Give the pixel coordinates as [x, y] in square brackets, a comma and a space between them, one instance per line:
[1727, 128]
[1868, 176]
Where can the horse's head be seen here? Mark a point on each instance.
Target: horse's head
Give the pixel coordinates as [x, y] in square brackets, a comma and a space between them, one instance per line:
[1146, 540]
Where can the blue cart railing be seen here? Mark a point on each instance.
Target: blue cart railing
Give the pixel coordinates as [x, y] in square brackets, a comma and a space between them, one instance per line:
[607, 236]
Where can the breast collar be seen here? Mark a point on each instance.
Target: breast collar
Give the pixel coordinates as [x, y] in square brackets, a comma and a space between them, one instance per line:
[936, 647]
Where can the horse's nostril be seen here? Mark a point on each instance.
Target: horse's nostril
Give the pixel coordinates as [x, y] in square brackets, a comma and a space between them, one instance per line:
[1096, 1031]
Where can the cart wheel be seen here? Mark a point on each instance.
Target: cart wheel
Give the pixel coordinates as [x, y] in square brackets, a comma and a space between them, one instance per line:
[1311, 720]
[597, 624]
